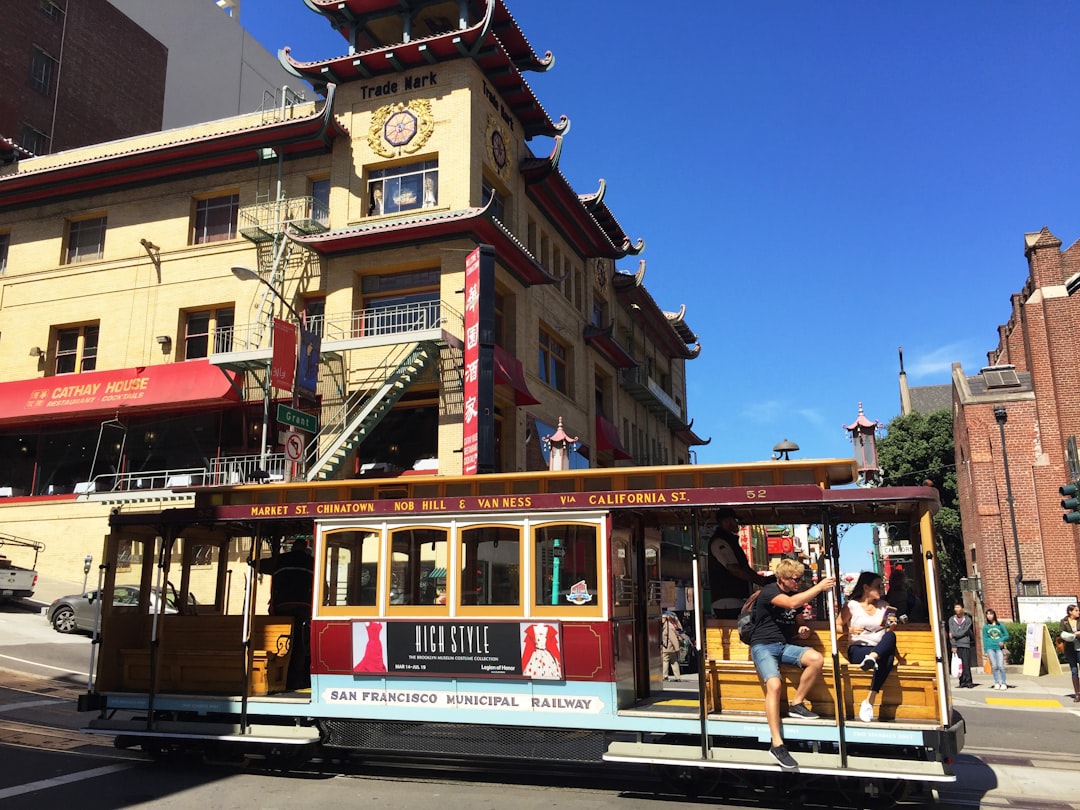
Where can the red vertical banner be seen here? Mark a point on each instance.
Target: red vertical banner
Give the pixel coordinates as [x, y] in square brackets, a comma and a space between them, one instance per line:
[283, 362]
[470, 417]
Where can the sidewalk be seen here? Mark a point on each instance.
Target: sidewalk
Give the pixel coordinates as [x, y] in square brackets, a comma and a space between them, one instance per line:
[1021, 688]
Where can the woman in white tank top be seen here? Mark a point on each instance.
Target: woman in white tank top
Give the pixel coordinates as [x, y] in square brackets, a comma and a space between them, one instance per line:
[868, 621]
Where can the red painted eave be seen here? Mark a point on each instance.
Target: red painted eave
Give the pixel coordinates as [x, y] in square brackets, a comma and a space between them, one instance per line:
[201, 155]
[470, 222]
[602, 341]
[501, 61]
[341, 13]
[656, 324]
[546, 186]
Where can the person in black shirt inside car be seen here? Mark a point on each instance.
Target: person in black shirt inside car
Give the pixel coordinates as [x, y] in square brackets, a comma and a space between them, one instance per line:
[291, 592]
[776, 627]
[731, 579]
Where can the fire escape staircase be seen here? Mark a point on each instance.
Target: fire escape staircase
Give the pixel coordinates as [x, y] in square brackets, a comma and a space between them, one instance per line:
[365, 407]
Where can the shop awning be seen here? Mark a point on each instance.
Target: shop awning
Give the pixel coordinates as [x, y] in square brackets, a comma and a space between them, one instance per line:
[509, 371]
[607, 438]
[192, 384]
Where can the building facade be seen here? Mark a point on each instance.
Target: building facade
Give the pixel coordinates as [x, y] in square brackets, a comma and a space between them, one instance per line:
[66, 68]
[1012, 422]
[149, 287]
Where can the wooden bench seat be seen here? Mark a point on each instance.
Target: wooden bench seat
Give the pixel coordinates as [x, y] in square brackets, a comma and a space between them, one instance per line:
[732, 683]
[204, 654]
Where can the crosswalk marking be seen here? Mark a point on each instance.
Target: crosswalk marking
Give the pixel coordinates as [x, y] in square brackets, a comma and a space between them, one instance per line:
[57, 781]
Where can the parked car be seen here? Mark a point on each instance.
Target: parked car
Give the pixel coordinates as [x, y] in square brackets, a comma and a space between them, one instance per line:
[76, 613]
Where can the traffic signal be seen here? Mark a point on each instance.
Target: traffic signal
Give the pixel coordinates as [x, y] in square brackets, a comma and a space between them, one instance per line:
[1070, 502]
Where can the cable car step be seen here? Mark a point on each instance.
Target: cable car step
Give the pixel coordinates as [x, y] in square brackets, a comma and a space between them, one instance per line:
[178, 729]
[761, 760]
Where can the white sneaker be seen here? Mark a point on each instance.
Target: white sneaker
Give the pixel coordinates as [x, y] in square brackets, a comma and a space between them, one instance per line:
[866, 711]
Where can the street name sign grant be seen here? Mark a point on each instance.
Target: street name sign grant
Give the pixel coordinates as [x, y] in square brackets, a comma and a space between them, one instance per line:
[297, 419]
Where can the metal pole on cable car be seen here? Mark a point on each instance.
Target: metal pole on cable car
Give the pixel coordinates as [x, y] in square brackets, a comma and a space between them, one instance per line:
[249, 578]
[157, 610]
[699, 634]
[832, 562]
[926, 533]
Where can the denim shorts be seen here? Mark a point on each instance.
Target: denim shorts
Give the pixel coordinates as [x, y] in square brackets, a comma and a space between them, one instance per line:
[769, 657]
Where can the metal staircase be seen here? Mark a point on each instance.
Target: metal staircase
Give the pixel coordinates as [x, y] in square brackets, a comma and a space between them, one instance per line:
[365, 407]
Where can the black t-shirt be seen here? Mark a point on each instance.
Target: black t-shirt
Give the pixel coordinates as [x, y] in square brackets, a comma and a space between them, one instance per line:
[774, 623]
[723, 583]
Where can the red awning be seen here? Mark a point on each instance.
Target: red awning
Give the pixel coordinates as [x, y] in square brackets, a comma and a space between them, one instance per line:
[509, 371]
[607, 438]
[174, 385]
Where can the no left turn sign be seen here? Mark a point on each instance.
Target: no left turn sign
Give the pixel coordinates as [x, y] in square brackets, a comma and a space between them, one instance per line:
[294, 447]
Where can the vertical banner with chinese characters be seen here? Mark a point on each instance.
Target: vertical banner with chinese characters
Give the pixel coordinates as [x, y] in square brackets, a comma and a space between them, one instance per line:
[478, 418]
[283, 362]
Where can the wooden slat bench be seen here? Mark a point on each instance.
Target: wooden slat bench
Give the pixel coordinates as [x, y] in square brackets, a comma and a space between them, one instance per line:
[732, 683]
[205, 654]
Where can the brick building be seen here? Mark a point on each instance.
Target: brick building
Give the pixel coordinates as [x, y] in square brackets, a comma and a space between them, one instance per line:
[134, 364]
[1030, 392]
[62, 72]
[66, 69]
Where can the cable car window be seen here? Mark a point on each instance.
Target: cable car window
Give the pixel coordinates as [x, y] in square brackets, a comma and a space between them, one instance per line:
[491, 566]
[566, 565]
[352, 568]
[418, 564]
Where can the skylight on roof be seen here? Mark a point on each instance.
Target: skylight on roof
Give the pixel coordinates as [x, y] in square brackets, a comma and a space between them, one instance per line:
[1000, 377]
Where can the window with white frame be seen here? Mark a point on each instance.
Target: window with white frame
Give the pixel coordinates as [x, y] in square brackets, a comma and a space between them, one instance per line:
[201, 325]
[33, 140]
[5, 243]
[215, 219]
[553, 361]
[86, 240]
[320, 201]
[76, 349]
[42, 68]
[403, 188]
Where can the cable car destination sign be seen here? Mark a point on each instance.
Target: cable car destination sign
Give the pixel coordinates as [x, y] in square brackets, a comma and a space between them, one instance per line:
[795, 494]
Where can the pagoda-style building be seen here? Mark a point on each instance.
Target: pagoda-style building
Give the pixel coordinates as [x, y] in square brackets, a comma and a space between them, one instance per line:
[410, 230]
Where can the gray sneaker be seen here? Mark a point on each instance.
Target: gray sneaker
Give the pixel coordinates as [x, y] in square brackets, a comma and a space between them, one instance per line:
[781, 755]
[800, 711]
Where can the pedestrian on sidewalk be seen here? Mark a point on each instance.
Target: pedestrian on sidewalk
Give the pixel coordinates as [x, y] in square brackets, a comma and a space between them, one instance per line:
[994, 636]
[1070, 636]
[962, 639]
[670, 645]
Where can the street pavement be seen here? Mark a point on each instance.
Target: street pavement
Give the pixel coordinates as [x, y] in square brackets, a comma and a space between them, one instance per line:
[996, 775]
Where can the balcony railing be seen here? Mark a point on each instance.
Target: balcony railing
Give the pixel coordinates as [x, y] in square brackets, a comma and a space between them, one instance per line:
[224, 471]
[398, 319]
[262, 221]
[646, 391]
[405, 320]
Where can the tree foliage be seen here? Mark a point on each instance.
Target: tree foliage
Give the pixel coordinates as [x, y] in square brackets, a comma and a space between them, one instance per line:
[918, 449]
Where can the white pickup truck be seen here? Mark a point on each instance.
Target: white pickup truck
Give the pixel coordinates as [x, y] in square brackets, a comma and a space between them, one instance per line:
[16, 582]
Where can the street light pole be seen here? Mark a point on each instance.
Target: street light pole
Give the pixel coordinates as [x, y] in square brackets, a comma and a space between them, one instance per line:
[1001, 416]
[247, 274]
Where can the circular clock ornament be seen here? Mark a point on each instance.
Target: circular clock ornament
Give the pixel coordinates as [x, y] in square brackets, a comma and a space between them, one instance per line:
[601, 273]
[498, 149]
[400, 128]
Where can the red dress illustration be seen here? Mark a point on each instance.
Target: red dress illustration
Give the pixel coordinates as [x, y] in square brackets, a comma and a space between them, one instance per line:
[540, 658]
[373, 659]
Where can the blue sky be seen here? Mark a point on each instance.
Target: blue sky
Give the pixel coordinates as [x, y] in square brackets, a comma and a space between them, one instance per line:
[820, 183]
